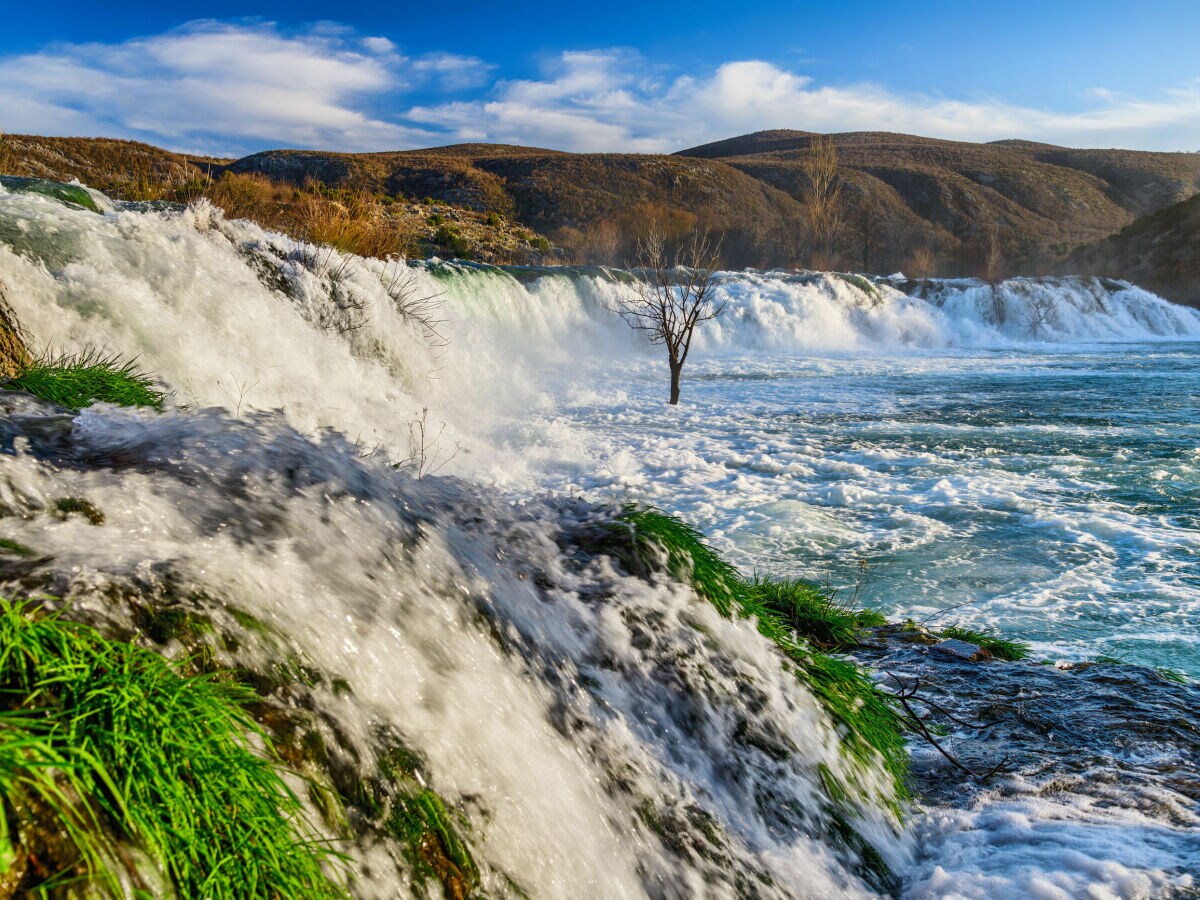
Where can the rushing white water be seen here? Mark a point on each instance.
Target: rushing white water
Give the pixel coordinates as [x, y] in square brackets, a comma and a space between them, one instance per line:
[797, 441]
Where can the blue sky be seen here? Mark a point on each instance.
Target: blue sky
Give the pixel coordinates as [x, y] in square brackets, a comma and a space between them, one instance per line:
[228, 78]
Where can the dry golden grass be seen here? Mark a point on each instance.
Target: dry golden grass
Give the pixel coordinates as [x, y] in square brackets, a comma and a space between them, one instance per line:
[355, 222]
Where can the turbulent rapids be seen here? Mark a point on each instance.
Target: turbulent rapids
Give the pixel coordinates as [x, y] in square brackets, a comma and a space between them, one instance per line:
[596, 732]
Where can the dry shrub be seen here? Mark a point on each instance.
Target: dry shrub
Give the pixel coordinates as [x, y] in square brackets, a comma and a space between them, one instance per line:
[352, 222]
[920, 263]
[7, 157]
[356, 224]
[246, 196]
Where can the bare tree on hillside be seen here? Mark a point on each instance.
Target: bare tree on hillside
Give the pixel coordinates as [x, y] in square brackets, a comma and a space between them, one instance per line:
[921, 262]
[674, 294]
[823, 200]
[867, 233]
[993, 254]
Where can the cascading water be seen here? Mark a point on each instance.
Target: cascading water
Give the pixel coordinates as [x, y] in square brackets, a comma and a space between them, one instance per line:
[595, 723]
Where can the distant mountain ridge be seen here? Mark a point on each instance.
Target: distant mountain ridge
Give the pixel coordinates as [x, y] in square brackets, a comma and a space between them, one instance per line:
[909, 202]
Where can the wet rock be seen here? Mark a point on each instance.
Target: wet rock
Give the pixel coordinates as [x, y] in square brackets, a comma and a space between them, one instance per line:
[960, 650]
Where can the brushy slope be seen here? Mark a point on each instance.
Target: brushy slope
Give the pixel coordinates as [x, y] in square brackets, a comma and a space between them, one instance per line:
[943, 207]
[1158, 252]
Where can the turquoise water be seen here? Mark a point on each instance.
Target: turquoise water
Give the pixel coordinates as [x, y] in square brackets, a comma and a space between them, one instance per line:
[1051, 495]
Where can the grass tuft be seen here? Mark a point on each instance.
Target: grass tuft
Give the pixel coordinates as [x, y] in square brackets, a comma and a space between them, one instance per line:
[822, 619]
[1000, 648]
[113, 748]
[81, 379]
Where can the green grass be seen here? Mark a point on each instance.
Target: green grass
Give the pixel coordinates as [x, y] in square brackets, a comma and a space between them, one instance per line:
[799, 620]
[111, 746]
[79, 380]
[822, 619]
[1000, 648]
[1173, 675]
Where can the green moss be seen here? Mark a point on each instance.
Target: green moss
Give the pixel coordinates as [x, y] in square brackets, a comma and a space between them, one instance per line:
[65, 507]
[1000, 648]
[79, 380]
[143, 756]
[427, 829]
[866, 286]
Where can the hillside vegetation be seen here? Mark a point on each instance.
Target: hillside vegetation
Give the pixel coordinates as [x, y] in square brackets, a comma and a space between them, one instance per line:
[1158, 252]
[924, 206]
[1026, 204]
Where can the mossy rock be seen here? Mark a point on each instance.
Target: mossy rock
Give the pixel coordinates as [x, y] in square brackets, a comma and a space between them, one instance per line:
[71, 194]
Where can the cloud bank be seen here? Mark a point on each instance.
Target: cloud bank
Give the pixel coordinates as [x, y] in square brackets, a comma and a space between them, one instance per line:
[232, 88]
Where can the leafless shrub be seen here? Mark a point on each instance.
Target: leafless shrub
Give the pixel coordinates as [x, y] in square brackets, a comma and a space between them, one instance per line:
[426, 456]
[921, 263]
[236, 394]
[823, 198]
[414, 304]
[1040, 312]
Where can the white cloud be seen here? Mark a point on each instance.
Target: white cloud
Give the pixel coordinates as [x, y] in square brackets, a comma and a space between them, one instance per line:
[210, 85]
[603, 101]
[453, 72]
[378, 45]
[221, 87]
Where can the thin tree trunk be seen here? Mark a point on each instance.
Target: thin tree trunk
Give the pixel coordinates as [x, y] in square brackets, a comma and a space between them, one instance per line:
[676, 371]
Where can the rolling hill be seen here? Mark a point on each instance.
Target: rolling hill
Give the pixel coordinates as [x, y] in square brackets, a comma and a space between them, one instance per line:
[919, 204]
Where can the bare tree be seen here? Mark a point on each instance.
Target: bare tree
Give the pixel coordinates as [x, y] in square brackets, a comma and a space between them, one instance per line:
[992, 265]
[672, 298]
[867, 232]
[1041, 312]
[824, 195]
[920, 262]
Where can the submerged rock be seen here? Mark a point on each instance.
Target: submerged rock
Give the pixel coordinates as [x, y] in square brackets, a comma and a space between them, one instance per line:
[1043, 767]
[960, 649]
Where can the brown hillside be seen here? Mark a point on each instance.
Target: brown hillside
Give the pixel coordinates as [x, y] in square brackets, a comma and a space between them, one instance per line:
[923, 205]
[1041, 198]
[1160, 252]
[569, 195]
